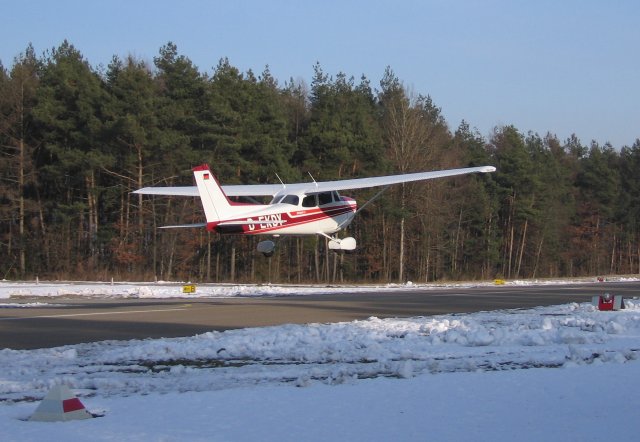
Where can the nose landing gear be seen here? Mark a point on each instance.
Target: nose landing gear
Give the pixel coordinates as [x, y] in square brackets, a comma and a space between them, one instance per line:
[347, 244]
[338, 245]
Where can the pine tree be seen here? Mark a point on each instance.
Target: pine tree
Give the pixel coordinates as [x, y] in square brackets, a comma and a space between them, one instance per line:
[628, 207]
[17, 175]
[598, 184]
[70, 119]
[134, 134]
[517, 193]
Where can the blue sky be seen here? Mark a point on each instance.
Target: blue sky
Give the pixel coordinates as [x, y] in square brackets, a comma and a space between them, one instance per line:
[563, 67]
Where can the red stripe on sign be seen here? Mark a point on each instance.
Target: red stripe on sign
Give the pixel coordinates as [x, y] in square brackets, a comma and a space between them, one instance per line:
[74, 404]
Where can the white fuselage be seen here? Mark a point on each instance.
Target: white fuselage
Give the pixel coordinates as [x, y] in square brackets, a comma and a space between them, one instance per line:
[288, 219]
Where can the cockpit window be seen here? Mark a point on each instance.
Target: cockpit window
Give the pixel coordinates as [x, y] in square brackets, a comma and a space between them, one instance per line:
[291, 199]
[324, 198]
[336, 197]
[309, 201]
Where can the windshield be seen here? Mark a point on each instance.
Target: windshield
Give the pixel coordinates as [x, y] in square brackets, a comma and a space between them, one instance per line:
[290, 199]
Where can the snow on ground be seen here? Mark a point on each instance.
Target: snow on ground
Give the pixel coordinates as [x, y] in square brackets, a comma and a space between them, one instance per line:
[564, 372]
[48, 289]
[175, 290]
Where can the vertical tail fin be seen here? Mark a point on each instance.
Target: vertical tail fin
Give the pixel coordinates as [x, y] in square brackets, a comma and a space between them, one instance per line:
[214, 201]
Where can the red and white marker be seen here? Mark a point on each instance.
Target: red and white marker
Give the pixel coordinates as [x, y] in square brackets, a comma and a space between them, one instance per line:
[60, 404]
[608, 302]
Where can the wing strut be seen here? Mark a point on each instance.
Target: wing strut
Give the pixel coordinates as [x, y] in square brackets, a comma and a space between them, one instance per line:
[375, 197]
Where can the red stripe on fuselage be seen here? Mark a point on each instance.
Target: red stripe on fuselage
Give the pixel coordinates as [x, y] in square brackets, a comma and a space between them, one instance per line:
[282, 220]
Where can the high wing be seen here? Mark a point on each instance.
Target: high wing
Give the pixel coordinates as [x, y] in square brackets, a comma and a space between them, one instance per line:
[230, 190]
[315, 187]
[362, 183]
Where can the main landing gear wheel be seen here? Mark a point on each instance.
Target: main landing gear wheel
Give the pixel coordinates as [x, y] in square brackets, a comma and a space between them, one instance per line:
[347, 244]
[267, 248]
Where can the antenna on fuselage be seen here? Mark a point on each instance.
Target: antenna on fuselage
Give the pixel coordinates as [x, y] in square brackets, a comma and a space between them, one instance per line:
[314, 180]
[284, 186]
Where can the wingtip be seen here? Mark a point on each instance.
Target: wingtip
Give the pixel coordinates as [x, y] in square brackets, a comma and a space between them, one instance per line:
[487, 169]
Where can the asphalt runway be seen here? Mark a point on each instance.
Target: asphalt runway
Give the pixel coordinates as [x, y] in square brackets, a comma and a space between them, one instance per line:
[78, 320]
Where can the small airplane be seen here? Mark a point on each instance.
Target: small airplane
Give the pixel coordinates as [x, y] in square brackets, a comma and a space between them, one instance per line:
[312, 208]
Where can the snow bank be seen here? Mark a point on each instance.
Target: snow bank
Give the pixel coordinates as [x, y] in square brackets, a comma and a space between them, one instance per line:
[565, 372]
[572, 334]
[47, 289]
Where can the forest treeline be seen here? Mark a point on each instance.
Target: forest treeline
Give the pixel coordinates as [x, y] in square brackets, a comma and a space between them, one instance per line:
[76, 140]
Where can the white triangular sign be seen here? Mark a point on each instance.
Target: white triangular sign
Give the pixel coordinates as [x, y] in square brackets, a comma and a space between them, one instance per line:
[60, 404]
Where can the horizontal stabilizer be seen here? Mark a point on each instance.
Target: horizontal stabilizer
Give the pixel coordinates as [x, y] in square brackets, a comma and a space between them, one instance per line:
[169, 191]
[185, 226]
